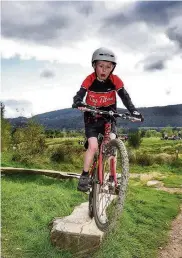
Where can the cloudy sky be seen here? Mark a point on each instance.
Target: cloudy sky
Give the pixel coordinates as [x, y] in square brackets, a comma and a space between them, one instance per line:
[46, 49]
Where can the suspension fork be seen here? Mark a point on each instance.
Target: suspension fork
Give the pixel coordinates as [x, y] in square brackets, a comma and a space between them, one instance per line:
[113, 169]
[100, 172]
[107, 131]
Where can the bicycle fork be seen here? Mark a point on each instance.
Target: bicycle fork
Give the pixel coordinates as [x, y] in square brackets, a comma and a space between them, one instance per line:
[112, 164]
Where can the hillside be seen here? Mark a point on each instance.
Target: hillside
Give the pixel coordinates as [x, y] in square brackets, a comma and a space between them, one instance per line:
[73, 119]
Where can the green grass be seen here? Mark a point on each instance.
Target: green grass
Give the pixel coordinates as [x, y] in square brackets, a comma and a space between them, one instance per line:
[156, 145]
[144, 225]
[55, 141]
[29, 203]
[173, 181]
[164, 168]
[43, 162]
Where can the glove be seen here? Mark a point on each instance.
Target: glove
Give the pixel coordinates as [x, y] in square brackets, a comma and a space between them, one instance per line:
[136, 114]
[78, 104]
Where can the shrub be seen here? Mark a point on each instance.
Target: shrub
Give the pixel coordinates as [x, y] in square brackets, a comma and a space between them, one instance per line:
[152, 133]
[134, 139]
[30, 140]
[131, 156]
[22, 157]
[58, 155]
[16, 156]
[65, 154]
[68, 142]
[5, 130]
[144, 159]
[164, 158]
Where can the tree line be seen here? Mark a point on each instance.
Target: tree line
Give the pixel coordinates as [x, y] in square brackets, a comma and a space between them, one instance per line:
[32, 136]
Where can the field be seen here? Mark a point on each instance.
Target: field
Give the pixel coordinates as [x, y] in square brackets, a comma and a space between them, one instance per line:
[66, 154]
[30, 202]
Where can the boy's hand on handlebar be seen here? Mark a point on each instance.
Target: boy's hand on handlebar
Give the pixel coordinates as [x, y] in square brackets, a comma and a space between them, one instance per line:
[78, 104]
[137, 115]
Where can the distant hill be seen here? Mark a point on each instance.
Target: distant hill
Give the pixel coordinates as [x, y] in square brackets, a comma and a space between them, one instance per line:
[72, 119]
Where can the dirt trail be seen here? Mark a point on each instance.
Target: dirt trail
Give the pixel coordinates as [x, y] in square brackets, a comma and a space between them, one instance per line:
[174, 246]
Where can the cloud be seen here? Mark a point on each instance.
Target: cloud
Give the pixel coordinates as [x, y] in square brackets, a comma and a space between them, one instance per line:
[31, 22]
[15, 108]
[158, 65]
[147, 27]
[55, 40]
[59, 28]
[50, 23]
[158, 58]
[47, 73]
[175, 33]
[157, 13]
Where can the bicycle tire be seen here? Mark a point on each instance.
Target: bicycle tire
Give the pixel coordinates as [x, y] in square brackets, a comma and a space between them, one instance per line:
[123, 166]
[90, 205]
[91, 183]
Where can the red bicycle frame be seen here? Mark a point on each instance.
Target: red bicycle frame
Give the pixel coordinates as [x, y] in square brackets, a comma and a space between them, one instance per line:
[112, 161]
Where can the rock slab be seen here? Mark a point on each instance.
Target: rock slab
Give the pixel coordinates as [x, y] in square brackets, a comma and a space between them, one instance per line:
[77, 232]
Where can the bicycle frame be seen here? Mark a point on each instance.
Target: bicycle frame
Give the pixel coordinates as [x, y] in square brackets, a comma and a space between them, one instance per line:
[112, 161]
[98, 162]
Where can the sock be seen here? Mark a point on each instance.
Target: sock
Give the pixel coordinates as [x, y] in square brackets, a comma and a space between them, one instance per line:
[85, 173]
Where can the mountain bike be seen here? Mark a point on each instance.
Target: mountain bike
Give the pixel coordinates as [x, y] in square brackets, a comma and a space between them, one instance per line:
[109, 173]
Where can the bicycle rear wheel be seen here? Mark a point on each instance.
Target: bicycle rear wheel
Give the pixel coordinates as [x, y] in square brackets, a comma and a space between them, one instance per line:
[108, 198]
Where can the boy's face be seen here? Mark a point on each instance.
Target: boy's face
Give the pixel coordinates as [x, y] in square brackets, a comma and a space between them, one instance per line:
[103, 69]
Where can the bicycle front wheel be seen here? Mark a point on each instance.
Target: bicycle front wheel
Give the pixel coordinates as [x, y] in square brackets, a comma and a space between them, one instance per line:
[108, 198]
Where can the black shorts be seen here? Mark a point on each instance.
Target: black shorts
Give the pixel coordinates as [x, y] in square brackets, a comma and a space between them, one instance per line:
[93, 129]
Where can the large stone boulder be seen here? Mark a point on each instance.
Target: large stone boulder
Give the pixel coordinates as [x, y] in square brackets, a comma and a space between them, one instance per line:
[77, 232]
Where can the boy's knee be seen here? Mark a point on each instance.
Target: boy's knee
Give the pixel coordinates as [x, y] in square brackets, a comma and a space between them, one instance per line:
[93, 149]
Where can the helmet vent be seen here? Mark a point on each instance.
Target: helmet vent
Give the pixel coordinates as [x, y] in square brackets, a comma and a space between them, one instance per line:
[106, 55]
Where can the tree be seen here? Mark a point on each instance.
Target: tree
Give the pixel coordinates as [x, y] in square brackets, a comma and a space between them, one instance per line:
[167, 130]
[151, 133]
[31, 139]
[5, 130]
[142, 132]
[134, 139]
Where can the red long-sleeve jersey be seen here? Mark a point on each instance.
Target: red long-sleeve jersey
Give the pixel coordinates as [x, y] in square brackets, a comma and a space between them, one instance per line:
[102, 94]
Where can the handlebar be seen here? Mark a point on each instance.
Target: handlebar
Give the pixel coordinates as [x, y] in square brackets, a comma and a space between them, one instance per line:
[87, 108]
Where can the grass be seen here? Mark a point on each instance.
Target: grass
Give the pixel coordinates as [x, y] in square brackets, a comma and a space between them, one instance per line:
[144, 225]
[29, 203]
[57, 141]
[173, 181]
[156, 145]
[43, 162]
[75, 164]
[164, 168]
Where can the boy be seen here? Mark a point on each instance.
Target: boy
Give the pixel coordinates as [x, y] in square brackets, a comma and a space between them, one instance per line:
[101, 87]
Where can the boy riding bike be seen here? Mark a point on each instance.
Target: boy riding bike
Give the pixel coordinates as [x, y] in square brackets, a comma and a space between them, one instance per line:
[101, 87]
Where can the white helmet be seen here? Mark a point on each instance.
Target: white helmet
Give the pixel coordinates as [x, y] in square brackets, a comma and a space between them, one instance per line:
[103, 54]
